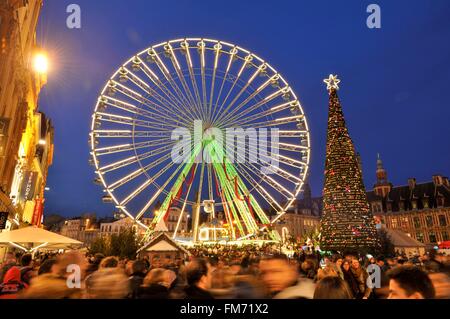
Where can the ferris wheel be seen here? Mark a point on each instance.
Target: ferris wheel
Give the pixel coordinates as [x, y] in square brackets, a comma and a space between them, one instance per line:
[184, 84]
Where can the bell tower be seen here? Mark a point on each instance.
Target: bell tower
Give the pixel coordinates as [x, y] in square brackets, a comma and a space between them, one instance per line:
[382, 187]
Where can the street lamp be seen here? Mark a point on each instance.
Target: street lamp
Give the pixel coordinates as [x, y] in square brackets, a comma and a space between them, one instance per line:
[40, 63]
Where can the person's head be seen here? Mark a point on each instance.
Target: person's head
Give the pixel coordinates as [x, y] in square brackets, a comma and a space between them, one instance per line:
[327, 271]
[67, 259]
[154, 277]
[169, 277]
[355, 263]
[109, 262]
[346, 265]
[139, 266]
[409, 282]
[380, 261]
[339, 262]
[26, 260]
[213, 261]
[98, 258]
[277, 274]
[198, 273]
[46, 266]
[332, 287]
[392, 262]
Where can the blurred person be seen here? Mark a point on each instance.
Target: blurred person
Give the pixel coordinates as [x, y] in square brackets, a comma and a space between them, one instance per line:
[94, 263]
[361, 276]
[9, 262]
[338, 267]
[155, 285]
[108, 282]
[410, 282]
[332, 287]
[46, 267]
[441, 283]
[138, 273]
[235, 267]
[12, 284]
[27, 270]
[327, 271]
[198, 277]
[282, 280]
[307, 269]
[54, 285]
[246, 287]
[129, 268]
[391, 263]
[350, 279]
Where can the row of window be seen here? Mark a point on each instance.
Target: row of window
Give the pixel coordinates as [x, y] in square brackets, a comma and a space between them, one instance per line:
[378, 208]
[432, 237]
[403, 222]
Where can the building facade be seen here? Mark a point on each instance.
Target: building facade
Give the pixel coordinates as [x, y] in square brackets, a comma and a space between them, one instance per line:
[115, 226]
[174, 214]
[26, 136]
[302, 219]
[421, 210]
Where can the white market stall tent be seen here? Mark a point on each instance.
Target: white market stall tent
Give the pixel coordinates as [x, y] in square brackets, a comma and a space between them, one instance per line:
[31, 239]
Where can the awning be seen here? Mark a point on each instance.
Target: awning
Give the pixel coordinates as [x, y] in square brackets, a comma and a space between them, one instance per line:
[34, 238]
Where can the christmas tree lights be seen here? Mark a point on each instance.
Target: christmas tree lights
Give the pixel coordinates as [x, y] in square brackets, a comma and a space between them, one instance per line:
[347, 222]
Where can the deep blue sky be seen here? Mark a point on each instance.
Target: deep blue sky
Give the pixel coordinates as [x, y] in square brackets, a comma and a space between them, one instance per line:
[394, 89]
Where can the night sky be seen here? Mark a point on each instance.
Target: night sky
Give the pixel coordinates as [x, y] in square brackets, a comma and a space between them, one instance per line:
[394, 88]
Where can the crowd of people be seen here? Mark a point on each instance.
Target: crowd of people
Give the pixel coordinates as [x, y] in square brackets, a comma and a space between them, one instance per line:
[224, 273]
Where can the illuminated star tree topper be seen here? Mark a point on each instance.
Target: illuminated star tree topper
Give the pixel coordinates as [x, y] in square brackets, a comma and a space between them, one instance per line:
[332, 82]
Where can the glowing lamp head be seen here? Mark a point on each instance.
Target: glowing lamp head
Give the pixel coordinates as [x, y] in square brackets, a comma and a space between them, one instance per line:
[40, 63]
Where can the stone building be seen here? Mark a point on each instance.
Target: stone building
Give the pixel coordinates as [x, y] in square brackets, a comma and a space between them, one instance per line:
[421, 210]
[174, 214]
[26, 135]
[303, 218]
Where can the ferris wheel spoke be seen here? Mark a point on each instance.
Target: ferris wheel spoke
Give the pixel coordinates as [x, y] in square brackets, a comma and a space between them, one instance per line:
[201, 48]
[217, 49]
[129, 147]
[146, 184]
[184, 206]
[243, 89]
[232, 57]
[126, 120]
[266, 113]
[231, 90]
[132, 160]
[155, 196]
[257, 105]
[173, 104]
[155, 107]
[186, 49]
[267, 179]
[181, 97]
[182, 79]
[131, 108]
[130, 134]
[252, 96]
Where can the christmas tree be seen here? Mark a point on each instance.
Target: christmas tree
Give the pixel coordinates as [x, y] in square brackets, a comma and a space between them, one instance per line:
[347, 223]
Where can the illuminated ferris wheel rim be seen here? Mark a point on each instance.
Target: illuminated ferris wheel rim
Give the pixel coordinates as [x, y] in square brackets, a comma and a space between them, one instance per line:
[218, 46]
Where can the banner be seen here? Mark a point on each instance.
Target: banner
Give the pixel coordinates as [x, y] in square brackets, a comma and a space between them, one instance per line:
[28, 186]
[37, 213]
